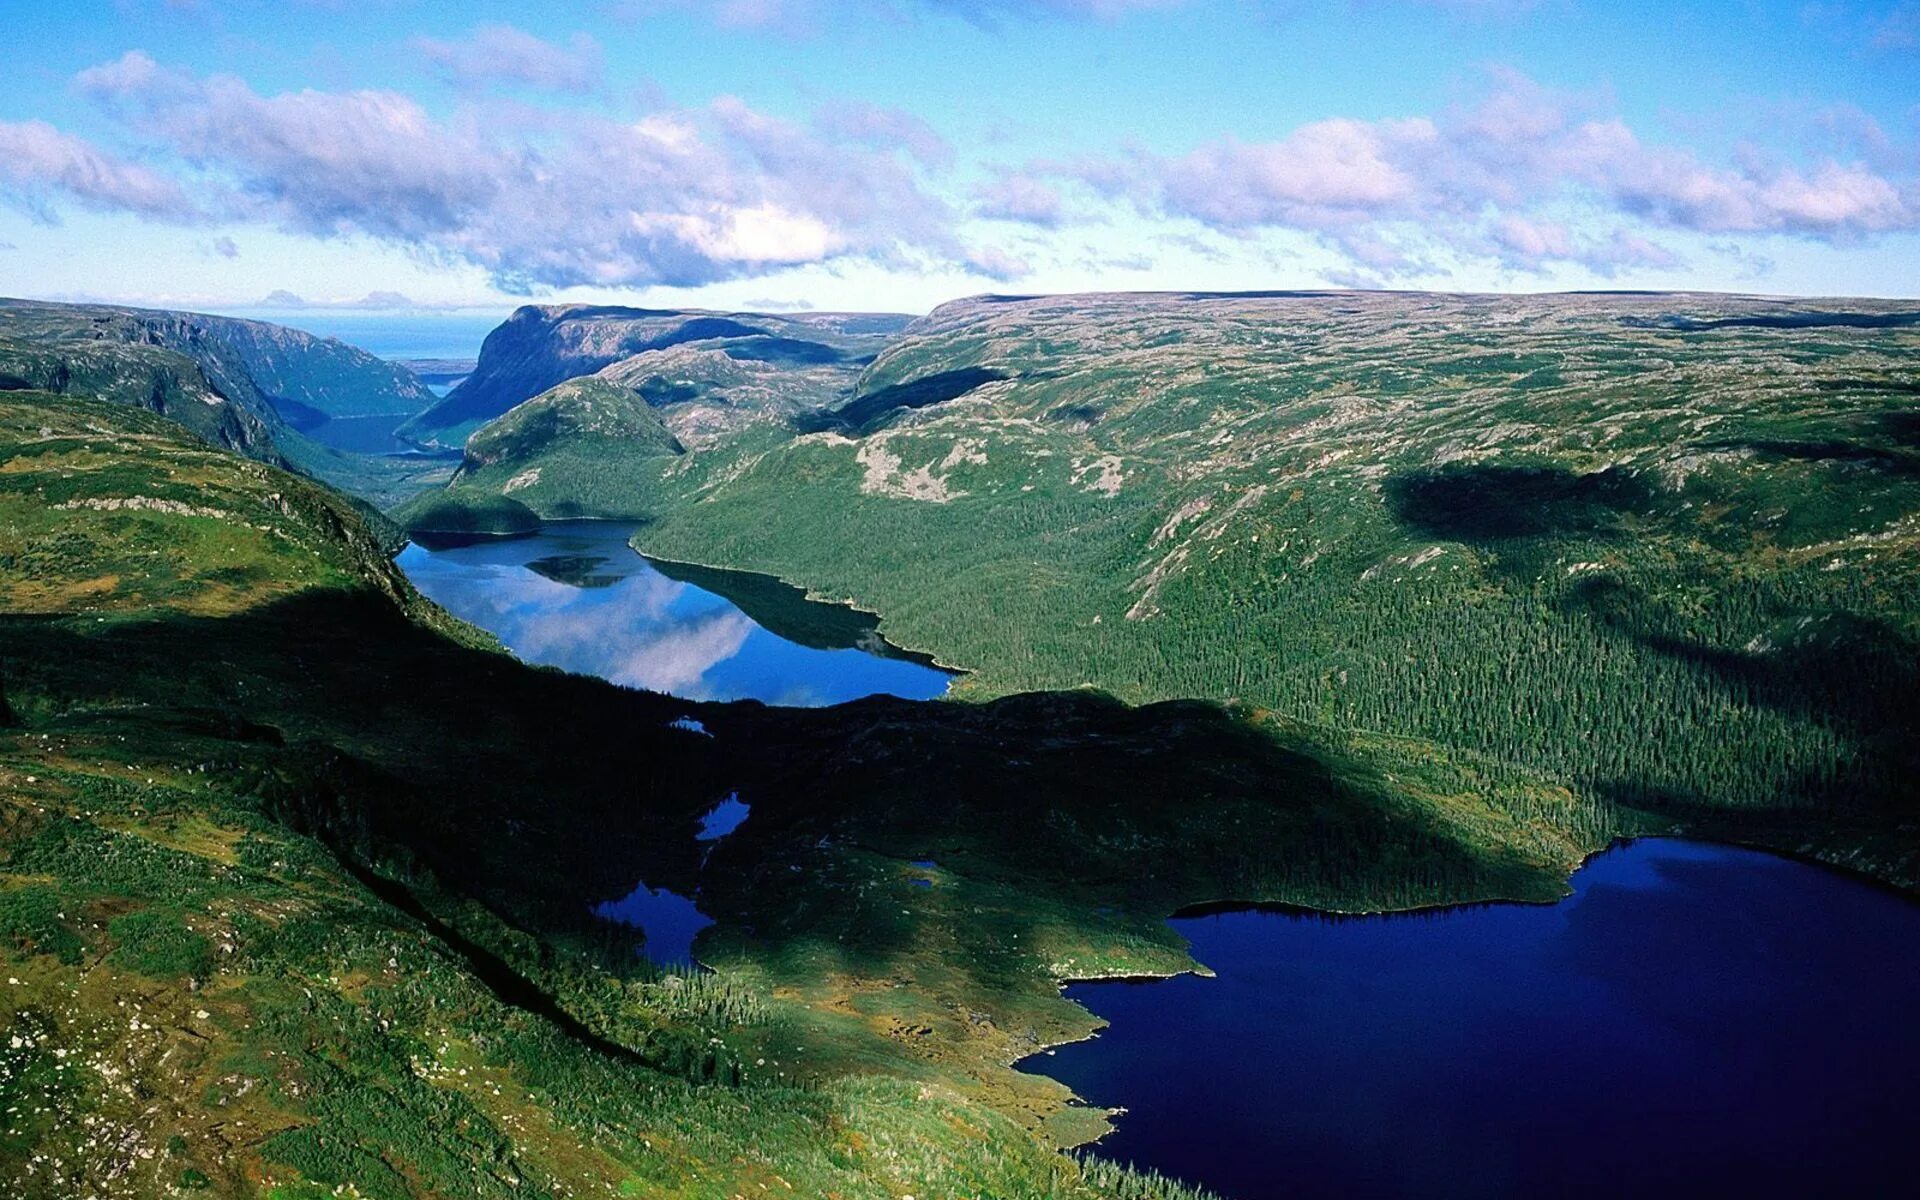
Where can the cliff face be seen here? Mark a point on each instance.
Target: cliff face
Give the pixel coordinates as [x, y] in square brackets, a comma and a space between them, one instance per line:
[540, 346]
[246, 386]
[220, 409]
[323, 374]
[273, 372]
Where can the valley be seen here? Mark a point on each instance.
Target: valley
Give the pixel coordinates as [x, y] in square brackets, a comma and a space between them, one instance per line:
[1512, 526]
[1349, 603]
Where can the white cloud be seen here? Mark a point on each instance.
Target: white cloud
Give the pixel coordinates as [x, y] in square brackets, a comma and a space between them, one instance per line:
[544, 197]
[37, 160]
[885, 129]
[1474, 178]
[492, 55]
[1020, 197]
[997, 264]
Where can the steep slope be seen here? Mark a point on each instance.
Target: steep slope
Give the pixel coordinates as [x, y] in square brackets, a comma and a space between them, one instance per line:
[244, 385]
[296, 875]
[324, 375]
[300, 376]
[540, 346]
[590, 410]
[588, 441]
[240, 959]
[1664, 548]
[159, 380]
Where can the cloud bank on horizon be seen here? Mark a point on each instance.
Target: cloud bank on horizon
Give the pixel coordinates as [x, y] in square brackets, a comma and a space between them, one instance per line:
[865, 150]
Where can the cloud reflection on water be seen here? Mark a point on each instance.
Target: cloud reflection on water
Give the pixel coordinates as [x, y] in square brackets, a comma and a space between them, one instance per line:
[640, 629]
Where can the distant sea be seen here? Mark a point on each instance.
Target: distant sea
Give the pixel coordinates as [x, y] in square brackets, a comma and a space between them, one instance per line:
[395, 335]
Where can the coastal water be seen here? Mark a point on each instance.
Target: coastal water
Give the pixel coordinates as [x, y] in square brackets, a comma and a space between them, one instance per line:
[1693, 1020]
[575, 596]
[455, 335]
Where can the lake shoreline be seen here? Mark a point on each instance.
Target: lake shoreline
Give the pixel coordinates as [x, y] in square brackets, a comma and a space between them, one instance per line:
[1676, 864]
[1212, 908]
[578, 596]
[815, 597]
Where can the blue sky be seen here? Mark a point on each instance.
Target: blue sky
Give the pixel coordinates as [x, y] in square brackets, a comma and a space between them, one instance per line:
[889, 154]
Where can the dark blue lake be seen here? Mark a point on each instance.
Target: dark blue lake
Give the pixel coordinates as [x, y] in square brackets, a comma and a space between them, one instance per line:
[1693, 1020]
[576, 596]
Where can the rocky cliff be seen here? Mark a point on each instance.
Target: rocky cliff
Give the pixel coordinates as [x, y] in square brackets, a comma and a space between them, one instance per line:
[543, 345]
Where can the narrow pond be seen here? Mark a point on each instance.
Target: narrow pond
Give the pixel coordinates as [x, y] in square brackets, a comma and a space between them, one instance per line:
[1693, 1020]
[576, 596]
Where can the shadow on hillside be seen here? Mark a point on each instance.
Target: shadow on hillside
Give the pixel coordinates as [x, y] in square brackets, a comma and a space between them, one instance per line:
[867, 411]
[1902, 427]
[1794, 320]
[1893, 461]
[538, 794]
[1482, 503]
[1856, 675]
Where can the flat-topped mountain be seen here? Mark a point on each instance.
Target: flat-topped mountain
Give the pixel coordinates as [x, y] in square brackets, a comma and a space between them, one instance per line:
[541, 345]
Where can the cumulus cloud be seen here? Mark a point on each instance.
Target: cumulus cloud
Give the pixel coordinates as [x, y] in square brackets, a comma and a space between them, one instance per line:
[885, 129]
[1019, 197]
[1533, 244]
[679, 197]
[494, 55]
[1474, 175]
[1517, 174]
[997, 264]
[37, 161]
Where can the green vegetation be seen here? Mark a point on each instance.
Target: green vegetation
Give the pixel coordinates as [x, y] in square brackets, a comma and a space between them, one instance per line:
[582, 440]
[1404, 601]
[246, 386]
[1667, 563]
[591, 411]
[296, 875]
[447, 513]
[159, 944]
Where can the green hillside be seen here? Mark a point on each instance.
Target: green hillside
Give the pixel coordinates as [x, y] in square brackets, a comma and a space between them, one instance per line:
[580, 440]
[296, 872]
[247, 386]
[1661, 548]
[252, 362]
